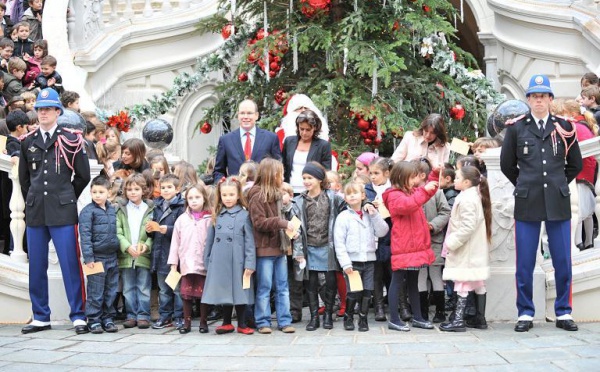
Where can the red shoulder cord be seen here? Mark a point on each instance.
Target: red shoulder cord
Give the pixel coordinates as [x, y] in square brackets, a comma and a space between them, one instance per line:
[60, 148]
[564, 134]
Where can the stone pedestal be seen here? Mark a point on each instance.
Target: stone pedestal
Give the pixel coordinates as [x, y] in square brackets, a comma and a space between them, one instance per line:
[501, 286]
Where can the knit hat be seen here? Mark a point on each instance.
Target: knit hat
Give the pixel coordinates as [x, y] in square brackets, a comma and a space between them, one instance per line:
[367, 157]
[314, 171]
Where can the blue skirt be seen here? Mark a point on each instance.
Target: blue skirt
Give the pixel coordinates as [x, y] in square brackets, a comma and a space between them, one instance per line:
[318, 258]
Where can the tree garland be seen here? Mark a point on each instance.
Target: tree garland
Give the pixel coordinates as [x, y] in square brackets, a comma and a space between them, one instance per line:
[443, 60]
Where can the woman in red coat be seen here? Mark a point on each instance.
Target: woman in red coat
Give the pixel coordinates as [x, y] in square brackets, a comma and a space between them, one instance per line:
[411, 242]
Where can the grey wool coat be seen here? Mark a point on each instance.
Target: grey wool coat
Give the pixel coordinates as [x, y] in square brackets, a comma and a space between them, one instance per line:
[229, 250]
[437, 212]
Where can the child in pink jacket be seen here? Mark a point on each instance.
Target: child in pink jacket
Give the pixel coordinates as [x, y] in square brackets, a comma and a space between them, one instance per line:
[187, 253]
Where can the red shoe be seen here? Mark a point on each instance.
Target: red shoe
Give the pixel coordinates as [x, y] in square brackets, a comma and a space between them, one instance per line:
[225, 328]
[341, 312]
[322, 310]
[245, 330]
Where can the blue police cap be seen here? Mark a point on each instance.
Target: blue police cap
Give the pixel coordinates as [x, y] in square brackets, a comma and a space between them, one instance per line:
[539, 84]
[48, 98]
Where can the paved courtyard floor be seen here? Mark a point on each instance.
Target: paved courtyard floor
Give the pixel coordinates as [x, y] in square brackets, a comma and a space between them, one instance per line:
[544, 348]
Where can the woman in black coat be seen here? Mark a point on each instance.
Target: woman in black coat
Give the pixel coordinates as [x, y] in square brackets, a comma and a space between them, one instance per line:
[304, 147]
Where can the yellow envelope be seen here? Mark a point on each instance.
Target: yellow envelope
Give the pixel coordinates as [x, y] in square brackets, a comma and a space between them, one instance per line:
[355, 281]
[98, 268]
[246, 281]
[173, 278]
[3, 144]
[459, 146]
[297, 223]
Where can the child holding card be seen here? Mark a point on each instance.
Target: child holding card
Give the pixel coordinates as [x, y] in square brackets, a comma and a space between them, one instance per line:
[99, 246]
[355, 244]
[134, 254]
[167, 208]
[229, 256]
[187, 252]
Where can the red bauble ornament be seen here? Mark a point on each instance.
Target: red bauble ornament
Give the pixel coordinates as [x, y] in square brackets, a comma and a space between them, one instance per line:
[372, 133]
[206, 128]
[272, 73]
[362, 124]
[274, 66]
[280, 95]
[364, 134]
[319, 4]
[261, 34]
[348, 162]
[226, 31]
[382, 134]
[243, 76]
[308, 11]
[345, 154]
[368, 141]
[396, 26]
[253, 57]
[261, 63]
[377, 141]
[426, 8]
[457, 112]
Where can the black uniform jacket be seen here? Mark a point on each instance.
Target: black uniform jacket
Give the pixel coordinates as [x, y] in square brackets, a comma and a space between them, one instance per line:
[541, 176]
[50, 189]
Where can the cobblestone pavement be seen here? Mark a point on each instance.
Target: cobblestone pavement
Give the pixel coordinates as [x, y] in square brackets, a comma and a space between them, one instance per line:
[544, 348]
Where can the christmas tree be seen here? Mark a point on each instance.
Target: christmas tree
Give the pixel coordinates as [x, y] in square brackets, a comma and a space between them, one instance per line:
[375, 67]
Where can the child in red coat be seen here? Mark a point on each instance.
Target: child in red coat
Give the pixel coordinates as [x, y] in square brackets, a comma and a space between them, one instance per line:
[411, 242]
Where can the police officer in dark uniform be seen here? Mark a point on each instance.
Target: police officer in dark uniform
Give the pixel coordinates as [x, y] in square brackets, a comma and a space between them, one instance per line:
[53, 170]
[541, 156]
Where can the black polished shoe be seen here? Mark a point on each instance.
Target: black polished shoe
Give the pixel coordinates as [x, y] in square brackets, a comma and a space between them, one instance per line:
[580, 246]
[567, 325]
[81, 329]
[423, 324]
[523, 326]
[588, 246]
[33, 329]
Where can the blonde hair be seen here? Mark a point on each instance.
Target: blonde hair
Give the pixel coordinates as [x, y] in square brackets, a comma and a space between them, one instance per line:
[570, 108]
[353, 187]
[287, 188]
[486, 143]
[186, 173]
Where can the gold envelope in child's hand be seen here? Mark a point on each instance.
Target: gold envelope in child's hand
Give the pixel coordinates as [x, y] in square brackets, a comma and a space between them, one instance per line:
[172, 279]
[98, 268]
[355, 281]
[246, 280]
[297, 223]
[459, 146]
[154, 226]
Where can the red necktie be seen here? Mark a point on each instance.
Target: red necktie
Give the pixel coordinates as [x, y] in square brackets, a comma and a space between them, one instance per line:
[248, 146]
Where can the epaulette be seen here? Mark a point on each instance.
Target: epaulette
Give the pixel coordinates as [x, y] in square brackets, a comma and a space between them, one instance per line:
[72, 131]
[514, 120]
[22, 137]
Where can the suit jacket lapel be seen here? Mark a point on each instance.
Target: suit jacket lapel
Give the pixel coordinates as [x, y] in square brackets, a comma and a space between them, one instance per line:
[257, 142]
[312, 150]
[237, 144]
[549, 126]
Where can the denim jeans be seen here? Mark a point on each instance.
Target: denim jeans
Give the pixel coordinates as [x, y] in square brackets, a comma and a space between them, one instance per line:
[170, 304]
[102, 292]
[271, 272]
[136, 290]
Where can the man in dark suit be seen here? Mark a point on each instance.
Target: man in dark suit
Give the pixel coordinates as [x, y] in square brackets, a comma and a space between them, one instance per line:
[541, 156]
[53, 170]
[246, 143]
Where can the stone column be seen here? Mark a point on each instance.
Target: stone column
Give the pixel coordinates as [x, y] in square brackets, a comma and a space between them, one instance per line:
[501, 287]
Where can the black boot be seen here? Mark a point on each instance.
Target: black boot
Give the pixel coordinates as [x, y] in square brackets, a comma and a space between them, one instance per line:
[403, 305]
[478, 321]
[458, 323]
[424, 297]
[438, 300]
[451, 303]
[313, 306]
[329, 302]
[363, 325]
[349, 315]
[379, 301]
